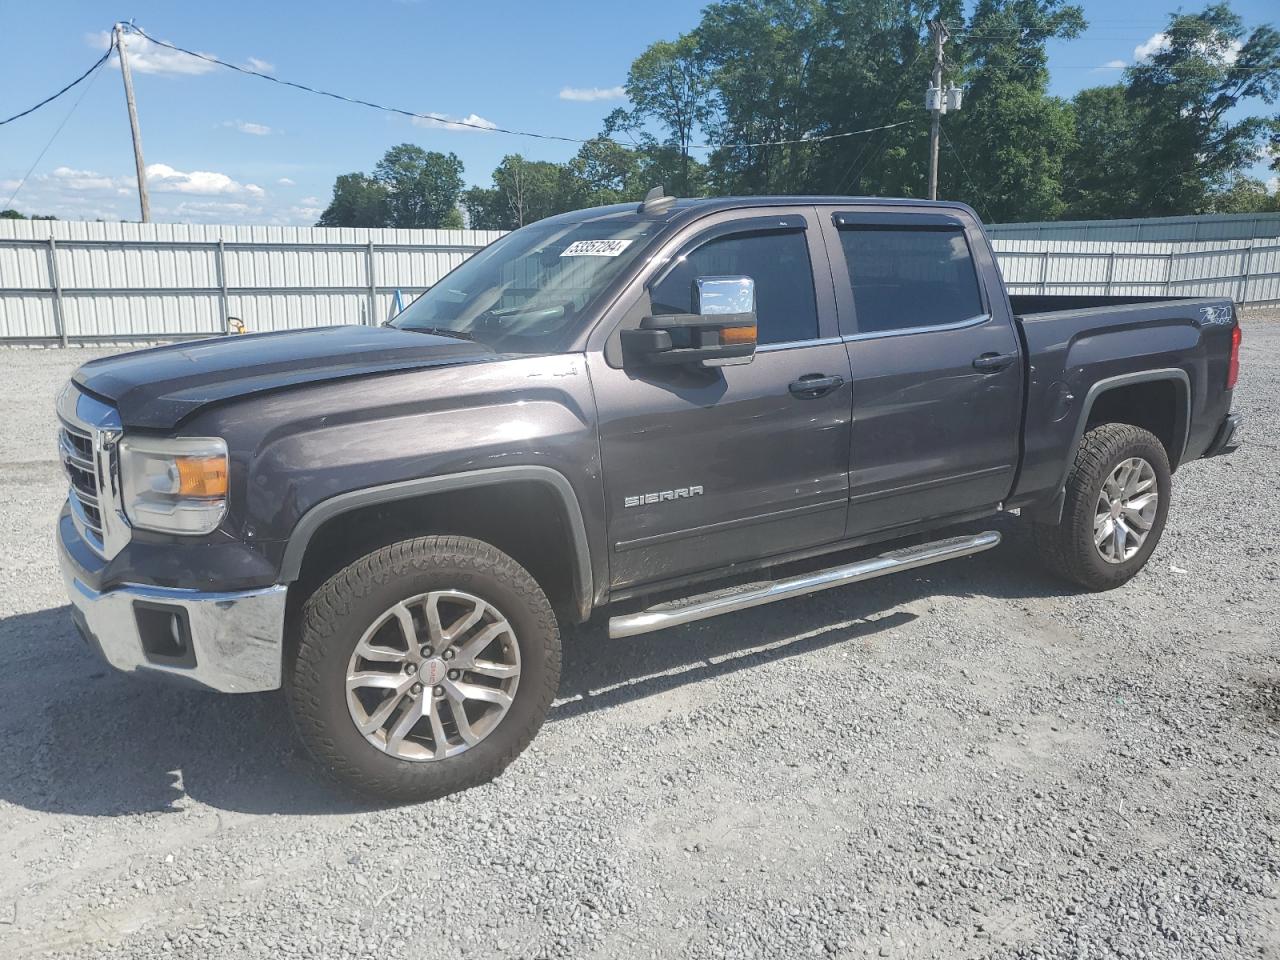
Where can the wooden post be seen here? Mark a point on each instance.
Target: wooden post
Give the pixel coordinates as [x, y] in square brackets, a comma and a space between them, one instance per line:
[939, 33]
[144, 199]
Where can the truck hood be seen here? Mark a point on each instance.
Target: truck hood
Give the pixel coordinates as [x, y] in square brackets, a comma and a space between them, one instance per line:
[158, 388]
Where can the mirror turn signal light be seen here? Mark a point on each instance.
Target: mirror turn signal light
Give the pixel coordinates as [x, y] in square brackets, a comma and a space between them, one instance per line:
[737, 336]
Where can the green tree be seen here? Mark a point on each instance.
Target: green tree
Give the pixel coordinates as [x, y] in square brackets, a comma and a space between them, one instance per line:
[358, 201]
[12, 214]
[422, 186]
[486, 208]
[1101, 170]
[670, 84]
[768, 60]
[1011, 137]
[1192, 139]
[1244, 195]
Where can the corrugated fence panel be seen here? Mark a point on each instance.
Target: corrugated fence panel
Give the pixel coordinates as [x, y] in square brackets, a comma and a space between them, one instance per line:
[264, 312]
[1210, 227]
[145, 315]
[122, 280]
[24, 266]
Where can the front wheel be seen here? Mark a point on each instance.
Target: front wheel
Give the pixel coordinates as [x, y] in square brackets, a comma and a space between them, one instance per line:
[1117, 499]
[423, 668]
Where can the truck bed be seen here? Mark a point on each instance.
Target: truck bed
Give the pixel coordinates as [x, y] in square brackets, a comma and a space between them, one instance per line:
[1077, 343]
[1025, 304]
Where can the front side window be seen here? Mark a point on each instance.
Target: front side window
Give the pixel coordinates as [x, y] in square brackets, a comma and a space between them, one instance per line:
[529, 291]
[905, 278]
[786, 307]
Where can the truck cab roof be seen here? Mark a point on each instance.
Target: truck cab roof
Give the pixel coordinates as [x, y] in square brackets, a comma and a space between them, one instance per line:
[688, 208]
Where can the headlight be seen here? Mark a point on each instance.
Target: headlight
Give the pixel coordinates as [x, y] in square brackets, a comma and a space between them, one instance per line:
[174, 485]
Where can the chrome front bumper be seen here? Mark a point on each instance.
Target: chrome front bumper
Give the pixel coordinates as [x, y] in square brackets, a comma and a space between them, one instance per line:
[230, 642]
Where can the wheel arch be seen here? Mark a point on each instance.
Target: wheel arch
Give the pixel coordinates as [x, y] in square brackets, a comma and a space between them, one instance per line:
[1128, 385]
[553, 484]
[1173, 435]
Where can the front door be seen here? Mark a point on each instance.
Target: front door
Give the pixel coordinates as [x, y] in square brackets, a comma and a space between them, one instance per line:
[937, 369]
[707, 467]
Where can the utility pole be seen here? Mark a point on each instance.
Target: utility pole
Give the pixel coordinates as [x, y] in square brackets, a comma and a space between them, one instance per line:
[144, 201]
[936, 102]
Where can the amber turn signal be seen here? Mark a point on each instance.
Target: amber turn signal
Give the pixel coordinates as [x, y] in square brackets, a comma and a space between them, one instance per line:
[201, 476]
[737, 336]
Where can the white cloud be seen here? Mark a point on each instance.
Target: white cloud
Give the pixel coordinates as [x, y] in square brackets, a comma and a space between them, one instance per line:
[304, 214]
[1273, 185]
[445, 122]
[1109, 66]
[165, 179]
[1151, 46]
[244, 126]
[1160, 41]
[589, 94]
[70, 193]
[71, 179]
[147, 57]
[285, 182]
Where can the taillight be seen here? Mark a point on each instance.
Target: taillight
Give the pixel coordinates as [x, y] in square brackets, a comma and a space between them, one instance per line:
[1233, 365]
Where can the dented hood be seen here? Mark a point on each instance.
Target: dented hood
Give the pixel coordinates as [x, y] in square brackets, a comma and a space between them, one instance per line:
[159, 388]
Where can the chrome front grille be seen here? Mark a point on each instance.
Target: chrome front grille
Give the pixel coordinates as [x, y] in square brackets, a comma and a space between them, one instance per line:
[87, 435]
[76, 448]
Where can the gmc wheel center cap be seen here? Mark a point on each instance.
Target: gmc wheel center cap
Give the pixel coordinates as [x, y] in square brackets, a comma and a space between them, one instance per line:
[433, 671]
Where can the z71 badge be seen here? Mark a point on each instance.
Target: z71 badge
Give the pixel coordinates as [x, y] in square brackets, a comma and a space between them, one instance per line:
[679, 493]
[1211, 316]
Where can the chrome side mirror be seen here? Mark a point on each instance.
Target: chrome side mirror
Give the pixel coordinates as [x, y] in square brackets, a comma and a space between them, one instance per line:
[716, 296]
[721, 333]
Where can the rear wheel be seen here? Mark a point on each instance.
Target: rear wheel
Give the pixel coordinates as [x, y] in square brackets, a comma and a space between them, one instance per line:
[1117, 499]
[424, 668]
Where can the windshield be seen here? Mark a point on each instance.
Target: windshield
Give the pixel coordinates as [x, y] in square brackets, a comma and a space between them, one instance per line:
[528, 292]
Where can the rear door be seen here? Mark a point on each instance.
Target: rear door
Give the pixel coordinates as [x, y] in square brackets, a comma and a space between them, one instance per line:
[936, 363]
[704, 468]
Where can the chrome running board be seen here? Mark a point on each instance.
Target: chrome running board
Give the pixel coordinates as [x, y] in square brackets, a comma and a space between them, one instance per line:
[689, 609]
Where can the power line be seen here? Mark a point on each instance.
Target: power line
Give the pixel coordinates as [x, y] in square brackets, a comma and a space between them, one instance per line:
[46, 100]
[892, 105]
[982, 208]
[469, 124]
[84, 93]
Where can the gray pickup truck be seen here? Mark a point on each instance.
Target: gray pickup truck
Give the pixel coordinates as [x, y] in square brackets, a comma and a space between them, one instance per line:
[669, 410]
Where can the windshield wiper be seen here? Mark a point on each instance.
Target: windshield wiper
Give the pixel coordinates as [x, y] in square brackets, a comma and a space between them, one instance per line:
[442, 332]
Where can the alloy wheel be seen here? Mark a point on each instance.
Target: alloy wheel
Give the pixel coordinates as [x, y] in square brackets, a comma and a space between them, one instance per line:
[433, 675]
[1126, 510]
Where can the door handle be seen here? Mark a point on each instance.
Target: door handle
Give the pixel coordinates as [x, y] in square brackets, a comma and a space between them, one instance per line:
[813, 385]
[994, 361]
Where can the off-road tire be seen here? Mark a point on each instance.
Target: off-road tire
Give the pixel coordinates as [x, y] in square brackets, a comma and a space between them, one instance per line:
[1067, 548]
[335, 616]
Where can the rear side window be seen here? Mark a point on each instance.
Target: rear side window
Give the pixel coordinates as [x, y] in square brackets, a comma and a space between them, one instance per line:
[906, 278]
[786, 308]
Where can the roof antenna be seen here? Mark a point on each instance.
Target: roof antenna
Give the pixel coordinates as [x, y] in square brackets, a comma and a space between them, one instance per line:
[655, 201]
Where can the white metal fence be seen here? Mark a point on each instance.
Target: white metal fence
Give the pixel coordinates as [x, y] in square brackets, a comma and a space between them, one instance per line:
[1247, 271]
[1202, 227]
[67, 280]
[64, 281]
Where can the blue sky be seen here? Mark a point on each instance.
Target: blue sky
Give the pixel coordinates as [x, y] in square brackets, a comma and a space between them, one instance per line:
[227, 148]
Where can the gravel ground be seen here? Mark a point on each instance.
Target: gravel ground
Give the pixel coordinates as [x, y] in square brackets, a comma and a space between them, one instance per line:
[968, 761]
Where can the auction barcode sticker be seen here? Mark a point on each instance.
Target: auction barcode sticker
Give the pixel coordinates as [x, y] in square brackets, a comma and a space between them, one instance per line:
[595, 248]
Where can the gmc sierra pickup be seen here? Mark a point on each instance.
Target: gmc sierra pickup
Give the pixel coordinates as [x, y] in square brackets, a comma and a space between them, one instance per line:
[671, 410]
